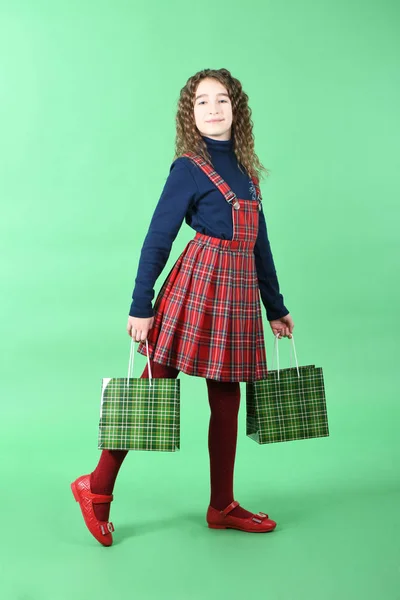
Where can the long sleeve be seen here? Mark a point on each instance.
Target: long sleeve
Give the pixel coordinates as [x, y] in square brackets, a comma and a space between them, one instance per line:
[271, 298]
[175, 200]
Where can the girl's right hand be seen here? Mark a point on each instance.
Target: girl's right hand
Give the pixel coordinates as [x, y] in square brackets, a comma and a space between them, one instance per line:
[138, 329]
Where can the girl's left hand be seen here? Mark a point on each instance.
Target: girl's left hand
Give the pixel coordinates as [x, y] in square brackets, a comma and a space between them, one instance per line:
[284, 326]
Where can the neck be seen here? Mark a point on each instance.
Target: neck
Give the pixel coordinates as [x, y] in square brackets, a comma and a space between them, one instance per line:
[218, 145]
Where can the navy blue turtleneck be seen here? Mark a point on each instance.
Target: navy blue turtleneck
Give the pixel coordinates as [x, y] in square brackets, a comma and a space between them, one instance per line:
[189, 195]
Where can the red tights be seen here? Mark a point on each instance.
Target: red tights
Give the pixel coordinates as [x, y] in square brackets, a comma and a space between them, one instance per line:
[224, 400]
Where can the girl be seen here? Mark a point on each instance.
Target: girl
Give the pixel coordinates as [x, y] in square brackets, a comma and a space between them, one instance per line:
[206, 319]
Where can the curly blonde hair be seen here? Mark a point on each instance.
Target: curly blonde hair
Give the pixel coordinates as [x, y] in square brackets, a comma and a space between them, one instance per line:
[188, 137]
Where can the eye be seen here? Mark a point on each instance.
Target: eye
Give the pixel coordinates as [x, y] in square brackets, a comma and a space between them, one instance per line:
[203, 101]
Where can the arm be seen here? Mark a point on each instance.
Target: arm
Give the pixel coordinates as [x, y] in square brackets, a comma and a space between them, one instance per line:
[271, 298]
[178, 193]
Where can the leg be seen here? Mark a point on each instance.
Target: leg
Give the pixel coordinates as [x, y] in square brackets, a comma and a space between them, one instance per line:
[224, 400]
[102, 479]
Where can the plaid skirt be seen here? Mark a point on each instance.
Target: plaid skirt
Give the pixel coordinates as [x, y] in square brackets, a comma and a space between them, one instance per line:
[207, 315]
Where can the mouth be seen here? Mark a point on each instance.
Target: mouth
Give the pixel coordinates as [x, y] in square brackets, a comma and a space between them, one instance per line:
[215, 121]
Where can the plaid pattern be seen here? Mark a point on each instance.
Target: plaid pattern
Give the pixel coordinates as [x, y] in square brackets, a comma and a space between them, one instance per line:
[207, 315]
[137, 416]
[223, 187]
[291, 408]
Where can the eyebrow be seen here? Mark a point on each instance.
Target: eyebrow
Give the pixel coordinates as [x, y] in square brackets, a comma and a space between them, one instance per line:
[219, 94]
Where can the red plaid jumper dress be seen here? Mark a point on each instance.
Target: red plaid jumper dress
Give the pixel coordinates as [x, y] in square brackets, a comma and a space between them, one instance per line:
[207, 315]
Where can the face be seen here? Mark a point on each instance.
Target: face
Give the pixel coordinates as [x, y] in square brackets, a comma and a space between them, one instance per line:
[213, 110]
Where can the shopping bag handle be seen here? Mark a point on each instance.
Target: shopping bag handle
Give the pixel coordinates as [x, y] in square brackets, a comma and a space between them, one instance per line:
[132, 358]
[277, 354]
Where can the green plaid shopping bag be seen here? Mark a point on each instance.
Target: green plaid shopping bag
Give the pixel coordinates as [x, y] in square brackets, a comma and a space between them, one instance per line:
[139, 413]
[288, 405]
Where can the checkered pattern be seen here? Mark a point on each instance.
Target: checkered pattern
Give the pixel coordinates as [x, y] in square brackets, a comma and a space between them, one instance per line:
[207, 315]
[291, 408]
[223, 187]
[137, 416]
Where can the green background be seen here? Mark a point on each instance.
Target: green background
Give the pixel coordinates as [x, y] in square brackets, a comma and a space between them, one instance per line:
[88, 95]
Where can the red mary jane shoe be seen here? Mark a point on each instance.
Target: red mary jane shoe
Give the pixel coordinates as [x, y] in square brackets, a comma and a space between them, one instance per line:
[220, 519]
[101, 530]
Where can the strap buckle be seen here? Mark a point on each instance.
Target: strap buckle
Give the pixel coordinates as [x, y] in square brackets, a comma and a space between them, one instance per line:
[109, 526]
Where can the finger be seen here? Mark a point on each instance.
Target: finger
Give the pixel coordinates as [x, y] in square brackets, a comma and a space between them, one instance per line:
[138, 334]
[143, 337]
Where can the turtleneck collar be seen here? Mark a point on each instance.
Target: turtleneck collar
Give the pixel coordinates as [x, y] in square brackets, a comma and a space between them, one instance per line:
[218, 145]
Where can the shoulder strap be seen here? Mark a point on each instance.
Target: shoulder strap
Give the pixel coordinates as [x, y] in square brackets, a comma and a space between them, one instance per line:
[223, 187]
[221, 184]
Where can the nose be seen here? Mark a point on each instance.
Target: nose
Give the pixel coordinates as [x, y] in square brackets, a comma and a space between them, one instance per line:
[214, 109]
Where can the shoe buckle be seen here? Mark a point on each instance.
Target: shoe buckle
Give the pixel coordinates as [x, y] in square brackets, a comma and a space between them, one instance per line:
[261, 514]
[110, 528]
[257, 520]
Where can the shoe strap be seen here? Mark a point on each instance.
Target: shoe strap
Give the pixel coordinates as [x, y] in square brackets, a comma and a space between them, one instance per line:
[99, 498]
[230, 507]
